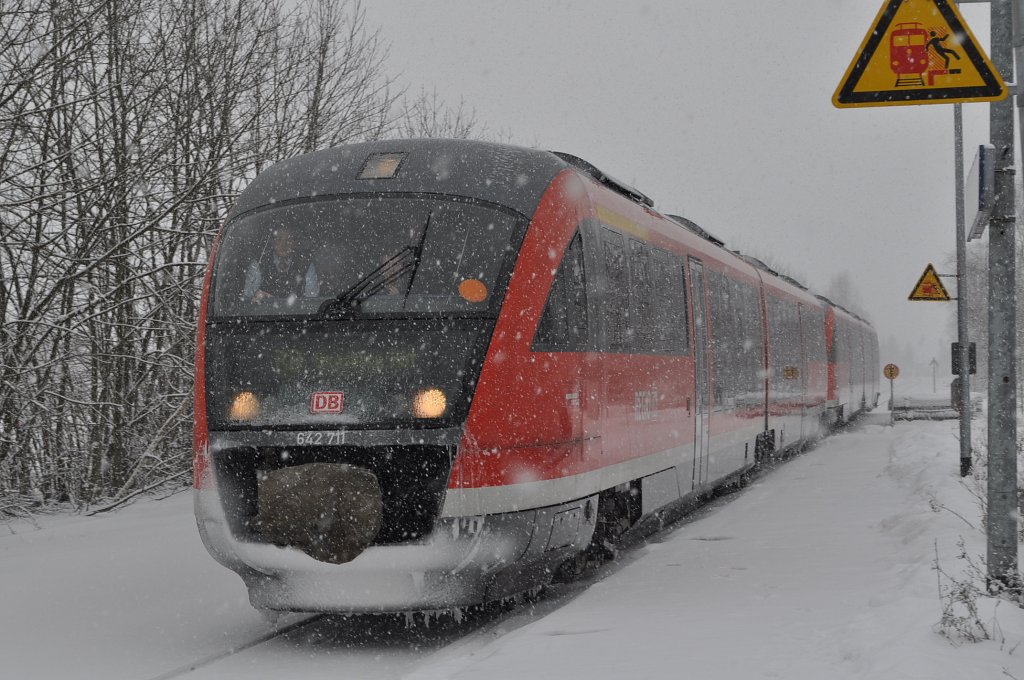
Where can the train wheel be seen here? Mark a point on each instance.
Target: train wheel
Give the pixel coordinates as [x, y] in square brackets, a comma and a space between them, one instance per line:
[572, 568]
[764, 447]
[617, 510]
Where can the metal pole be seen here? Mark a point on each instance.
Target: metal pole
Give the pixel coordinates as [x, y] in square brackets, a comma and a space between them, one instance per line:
[1018, 52]
[892, 405]
[1002, 315]
[961, 294]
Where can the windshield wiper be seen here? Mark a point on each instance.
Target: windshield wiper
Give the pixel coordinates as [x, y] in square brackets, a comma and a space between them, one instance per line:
[390, 271]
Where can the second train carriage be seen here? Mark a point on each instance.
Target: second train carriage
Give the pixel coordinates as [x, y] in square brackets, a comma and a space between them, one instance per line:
[520, 355]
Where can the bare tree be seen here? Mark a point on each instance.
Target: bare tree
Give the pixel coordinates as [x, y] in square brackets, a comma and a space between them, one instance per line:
[843, 291]
[126, 128]
[427, 115]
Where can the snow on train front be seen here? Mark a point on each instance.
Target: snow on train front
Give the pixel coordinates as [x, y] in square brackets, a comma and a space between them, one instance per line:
[348, 308]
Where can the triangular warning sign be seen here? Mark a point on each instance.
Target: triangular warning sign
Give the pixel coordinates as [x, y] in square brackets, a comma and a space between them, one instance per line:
[929, 287]
[919, 52]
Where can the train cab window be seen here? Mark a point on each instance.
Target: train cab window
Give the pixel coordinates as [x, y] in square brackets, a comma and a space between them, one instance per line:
[563, 324]
[381, 255]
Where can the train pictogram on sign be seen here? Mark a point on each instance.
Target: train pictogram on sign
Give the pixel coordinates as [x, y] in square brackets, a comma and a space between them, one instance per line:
[908, 52]
[919, 52]
[929, 287]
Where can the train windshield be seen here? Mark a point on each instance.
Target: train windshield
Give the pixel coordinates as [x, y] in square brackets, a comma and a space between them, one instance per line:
[363, 256]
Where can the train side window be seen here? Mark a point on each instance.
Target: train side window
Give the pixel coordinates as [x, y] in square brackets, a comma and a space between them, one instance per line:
[563, 324]
[784, 342]
[736, 341]
[814, 335]
[645, 306]
[720, 332]
[616, 303]
[640, 332]
[670, 326]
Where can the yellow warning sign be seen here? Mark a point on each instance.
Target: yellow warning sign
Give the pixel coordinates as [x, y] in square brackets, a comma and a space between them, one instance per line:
[929, 287]
[919, 52]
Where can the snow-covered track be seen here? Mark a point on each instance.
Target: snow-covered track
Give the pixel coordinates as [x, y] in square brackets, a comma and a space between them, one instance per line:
[209, 659]
[367, 646]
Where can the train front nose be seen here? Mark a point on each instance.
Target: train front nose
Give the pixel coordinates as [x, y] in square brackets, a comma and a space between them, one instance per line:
[348, 330]
[447, 562]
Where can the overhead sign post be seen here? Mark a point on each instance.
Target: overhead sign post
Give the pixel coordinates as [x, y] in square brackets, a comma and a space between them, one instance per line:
[929, 287]
[919, 52]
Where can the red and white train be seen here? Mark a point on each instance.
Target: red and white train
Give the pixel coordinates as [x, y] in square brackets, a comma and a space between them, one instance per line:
[514, 352]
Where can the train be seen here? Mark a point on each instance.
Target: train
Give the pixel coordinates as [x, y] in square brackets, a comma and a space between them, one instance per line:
[908, 53]
[433, 373]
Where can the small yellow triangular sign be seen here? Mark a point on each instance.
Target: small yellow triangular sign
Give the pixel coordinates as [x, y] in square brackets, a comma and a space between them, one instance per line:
[919, 52]
[929, 287]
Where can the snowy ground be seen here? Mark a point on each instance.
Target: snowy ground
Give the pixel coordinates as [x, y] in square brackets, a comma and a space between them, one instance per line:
[821, 569]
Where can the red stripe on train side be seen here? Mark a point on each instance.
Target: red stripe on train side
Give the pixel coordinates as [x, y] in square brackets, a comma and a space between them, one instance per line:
[546, 415]
[200, 427]
[519, 427]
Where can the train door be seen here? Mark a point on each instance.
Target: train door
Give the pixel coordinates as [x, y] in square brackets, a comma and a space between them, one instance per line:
[702, 388]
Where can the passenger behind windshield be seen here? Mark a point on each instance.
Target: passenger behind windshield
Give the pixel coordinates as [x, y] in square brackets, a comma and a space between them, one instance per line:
[294, 258]
[281, 271]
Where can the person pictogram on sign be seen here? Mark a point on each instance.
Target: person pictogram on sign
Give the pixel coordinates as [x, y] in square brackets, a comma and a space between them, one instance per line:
[936, 44]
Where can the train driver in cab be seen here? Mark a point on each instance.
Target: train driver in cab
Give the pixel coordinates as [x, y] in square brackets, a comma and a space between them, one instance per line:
[281, 272]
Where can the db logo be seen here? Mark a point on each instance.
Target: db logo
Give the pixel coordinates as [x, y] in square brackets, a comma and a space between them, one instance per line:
[327, 402]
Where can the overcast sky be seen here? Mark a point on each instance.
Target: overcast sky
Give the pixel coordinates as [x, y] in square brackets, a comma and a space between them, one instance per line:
[720, 112]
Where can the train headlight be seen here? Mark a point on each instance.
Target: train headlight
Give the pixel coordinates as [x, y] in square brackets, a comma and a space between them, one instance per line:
[429, 403]
[245, 406]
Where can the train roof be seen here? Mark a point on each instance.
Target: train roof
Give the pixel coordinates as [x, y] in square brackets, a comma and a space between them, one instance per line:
[508, 175]
[695, 228]
[843, 309]
[512, 176]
